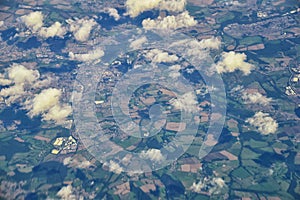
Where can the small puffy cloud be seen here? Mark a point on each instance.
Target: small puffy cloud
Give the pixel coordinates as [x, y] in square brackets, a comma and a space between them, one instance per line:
[256, 98]
[174, 71]
[136, 7]
[182, 20]
[186, 102]
[20, 81]
[215, 185]
[15, 90]
[42, 83]
[67, 160]
[33, 20]
[219, 182]
[66, 193]
[4, 81]
[153, 155]
[210, 43]
[158, 56]
[263, 122]
[81, 28]
[48, 104]
[172, 5]
[16, 78]
[55, 29]
[195, 48]
[197, 187]
[232, 61]
[237, 89]
[20, 74]
[136, 44]
[45, 100]
[58, 113]
[113, 13]
[114, 167]
[77, 162]
[90, 56]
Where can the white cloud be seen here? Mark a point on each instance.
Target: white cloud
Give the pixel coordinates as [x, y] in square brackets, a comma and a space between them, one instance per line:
[81, 28]
[90, 56]
[20, 74]
[48, 104]
[66, 193]
[55, 29]
[237, 89]
[173, 5]
[232, 61]
[114, 167]
[263, 122]
[113, 13]
[22, 82]
[158, 56]
[219, 182]
[186, 102]
[17, 77]
[136, 7]
[4, 81]
[41, 83]
[170, 22]
[77, 162]
[67, 161]
[45, 100]
[153, 155]
[210, 43]
[33, 20]
[174, 71]
[215, 185]
[58, 113]
[195, 48]
[255, 98]
[136, 44]
[15, 90]
[197, 187]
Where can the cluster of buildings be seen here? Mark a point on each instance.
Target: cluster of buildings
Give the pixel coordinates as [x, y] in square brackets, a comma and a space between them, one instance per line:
[270, 28]
[291, 89]
[64, 145]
